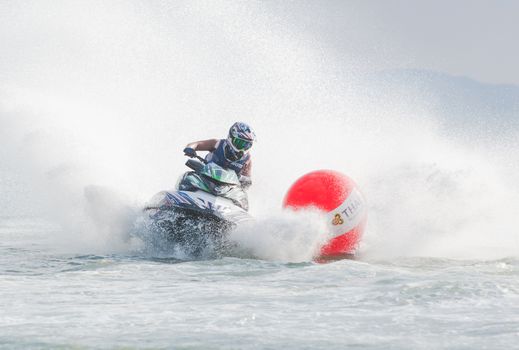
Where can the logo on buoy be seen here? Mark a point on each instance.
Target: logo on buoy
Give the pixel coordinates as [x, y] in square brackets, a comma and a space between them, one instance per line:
[337, 220]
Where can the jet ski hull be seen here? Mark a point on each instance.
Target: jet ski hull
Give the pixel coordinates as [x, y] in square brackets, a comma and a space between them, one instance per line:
[195, 221]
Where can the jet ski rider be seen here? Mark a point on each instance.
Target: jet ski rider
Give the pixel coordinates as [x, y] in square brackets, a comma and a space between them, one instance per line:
[231, 153]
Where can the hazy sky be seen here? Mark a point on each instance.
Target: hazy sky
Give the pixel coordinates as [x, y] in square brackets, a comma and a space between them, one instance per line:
[474, 38]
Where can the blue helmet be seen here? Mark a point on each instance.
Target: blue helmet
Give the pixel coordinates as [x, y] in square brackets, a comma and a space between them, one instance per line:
[240, 140]
[241, 137]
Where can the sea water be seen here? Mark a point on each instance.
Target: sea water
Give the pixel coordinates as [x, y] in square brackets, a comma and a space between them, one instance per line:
[53, 299]
[96, 105]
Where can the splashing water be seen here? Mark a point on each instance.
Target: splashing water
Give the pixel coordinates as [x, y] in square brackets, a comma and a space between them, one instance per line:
[94, 116]
[98, 99]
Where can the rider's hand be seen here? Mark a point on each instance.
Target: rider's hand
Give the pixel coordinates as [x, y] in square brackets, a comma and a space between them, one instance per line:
[190, 152]
[245, 181]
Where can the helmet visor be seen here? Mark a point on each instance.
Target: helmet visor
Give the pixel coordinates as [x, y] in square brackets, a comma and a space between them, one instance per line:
[240, 144]
[231, 154]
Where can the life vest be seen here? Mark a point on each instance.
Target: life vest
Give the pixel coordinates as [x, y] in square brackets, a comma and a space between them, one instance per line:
[218, 156]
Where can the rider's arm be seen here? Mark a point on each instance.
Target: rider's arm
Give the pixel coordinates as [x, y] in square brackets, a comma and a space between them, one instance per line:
[204, 145]
[245, 176]
[247, 168]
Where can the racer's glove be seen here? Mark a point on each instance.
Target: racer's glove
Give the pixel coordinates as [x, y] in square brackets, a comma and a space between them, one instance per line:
[190, 152]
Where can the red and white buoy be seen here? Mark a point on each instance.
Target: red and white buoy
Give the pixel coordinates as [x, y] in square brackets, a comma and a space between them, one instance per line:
[345, 207]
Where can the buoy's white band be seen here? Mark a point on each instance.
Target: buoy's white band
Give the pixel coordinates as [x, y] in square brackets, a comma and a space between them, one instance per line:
[348, 215]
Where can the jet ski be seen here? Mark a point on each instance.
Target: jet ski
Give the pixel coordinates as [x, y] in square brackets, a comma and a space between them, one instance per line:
[206, 205]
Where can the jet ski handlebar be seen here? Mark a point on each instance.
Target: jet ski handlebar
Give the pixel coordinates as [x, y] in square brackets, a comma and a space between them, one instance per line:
[195, 165]
[201, 159]
[191, 153]
[196, 162]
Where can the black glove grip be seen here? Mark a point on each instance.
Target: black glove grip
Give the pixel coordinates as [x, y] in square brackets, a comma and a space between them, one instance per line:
[188, 151]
